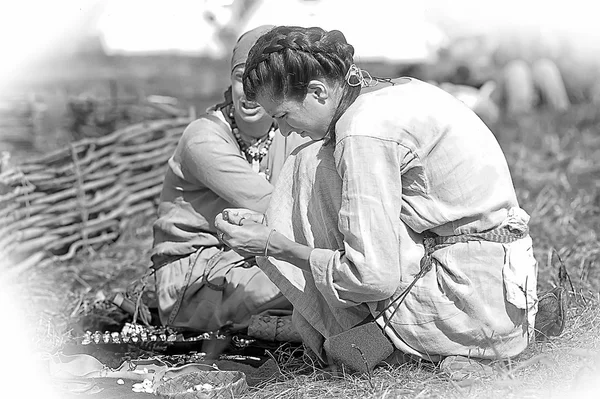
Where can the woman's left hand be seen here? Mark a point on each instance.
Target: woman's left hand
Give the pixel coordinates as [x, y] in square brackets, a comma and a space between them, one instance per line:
[248, 239]
[240, 216]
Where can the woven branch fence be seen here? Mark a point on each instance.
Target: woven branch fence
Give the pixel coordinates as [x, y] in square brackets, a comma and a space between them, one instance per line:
[82, 196]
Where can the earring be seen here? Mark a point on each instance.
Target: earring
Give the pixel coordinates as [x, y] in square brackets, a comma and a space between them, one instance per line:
[359, 77]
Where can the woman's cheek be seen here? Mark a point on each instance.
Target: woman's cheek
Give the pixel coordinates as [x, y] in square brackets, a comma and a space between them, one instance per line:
[236, 90]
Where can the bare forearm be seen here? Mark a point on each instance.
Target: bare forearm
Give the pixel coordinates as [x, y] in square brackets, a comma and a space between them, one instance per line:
[282, 248]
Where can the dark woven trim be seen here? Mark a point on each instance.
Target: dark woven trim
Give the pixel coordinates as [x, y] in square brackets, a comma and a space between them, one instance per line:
[502, 234]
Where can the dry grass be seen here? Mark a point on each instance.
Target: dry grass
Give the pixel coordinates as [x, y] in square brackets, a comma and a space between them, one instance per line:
[568, 366]
[554, 161]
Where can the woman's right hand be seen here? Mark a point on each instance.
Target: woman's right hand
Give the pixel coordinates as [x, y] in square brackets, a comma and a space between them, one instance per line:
[247, 239]
[239, 216]
[243, 232]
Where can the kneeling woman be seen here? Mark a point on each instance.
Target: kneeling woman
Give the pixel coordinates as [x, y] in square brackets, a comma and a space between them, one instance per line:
[400, 182]
[231, 156]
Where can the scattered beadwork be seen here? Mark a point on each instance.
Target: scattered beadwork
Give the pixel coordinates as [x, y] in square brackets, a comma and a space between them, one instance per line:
[136, 333]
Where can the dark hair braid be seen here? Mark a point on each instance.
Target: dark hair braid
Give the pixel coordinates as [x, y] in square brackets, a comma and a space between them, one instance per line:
[284, 60]
[227, 99]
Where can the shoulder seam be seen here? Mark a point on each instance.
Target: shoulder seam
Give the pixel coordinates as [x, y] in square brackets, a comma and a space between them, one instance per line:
[380, 139]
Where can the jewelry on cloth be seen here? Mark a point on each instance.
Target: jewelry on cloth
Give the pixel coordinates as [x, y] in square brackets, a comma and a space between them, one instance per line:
[256, 152]
[241, 220]
[269, 240]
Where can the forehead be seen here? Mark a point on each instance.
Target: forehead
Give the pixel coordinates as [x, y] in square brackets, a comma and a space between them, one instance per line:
[272, 106]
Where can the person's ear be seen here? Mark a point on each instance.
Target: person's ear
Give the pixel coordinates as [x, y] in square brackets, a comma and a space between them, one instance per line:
[318, 90]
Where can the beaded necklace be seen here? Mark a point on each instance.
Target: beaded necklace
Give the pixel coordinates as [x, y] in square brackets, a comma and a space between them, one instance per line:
[254, 153]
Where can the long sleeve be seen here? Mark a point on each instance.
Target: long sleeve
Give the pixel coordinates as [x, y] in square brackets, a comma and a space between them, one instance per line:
[206, 174]
[213, 162]
[367, 269]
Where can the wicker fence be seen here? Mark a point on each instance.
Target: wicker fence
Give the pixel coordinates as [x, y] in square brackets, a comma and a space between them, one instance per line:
[83, 195]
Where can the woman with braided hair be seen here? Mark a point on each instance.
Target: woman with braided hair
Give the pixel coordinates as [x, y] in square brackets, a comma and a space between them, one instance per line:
[231, 156]
[402, 209]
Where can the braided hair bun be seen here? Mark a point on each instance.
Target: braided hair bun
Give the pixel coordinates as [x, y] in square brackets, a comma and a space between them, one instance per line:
[284, 60]
[287, 58]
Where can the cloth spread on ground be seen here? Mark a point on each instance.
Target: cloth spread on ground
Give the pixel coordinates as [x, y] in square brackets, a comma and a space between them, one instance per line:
[79, 374]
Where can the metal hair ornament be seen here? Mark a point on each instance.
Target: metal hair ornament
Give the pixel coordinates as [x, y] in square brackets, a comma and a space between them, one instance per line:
[359, 77]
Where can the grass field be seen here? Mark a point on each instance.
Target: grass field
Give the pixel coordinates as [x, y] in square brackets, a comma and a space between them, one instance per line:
[554, 160]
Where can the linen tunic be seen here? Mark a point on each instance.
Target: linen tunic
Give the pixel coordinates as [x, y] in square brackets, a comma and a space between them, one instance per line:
[206, 174]
[198, 282]
[407, 159]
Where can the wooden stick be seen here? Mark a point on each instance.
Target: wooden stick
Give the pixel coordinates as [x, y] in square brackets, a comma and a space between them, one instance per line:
[25, 211]
[93, 226]
[29, 197]
[17, 191]
[148, 193]
[91, 230]
[23, 266]
[24, 234]
[104, 238]
[132, 159]
[162, 160]
[70, 192]
[80, 198]
[155, 181]
[7, 209]
[136, 178]
[29, 246]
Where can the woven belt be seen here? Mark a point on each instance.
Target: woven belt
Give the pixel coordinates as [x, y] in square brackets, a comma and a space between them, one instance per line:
[503, 234]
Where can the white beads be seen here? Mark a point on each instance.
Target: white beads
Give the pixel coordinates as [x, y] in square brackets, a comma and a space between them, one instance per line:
[257, 151]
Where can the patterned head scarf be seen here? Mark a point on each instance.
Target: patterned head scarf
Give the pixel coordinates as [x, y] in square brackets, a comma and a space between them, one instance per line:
[245, 43]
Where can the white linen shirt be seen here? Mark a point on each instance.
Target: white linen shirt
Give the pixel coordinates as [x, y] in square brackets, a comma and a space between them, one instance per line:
[407, 159]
